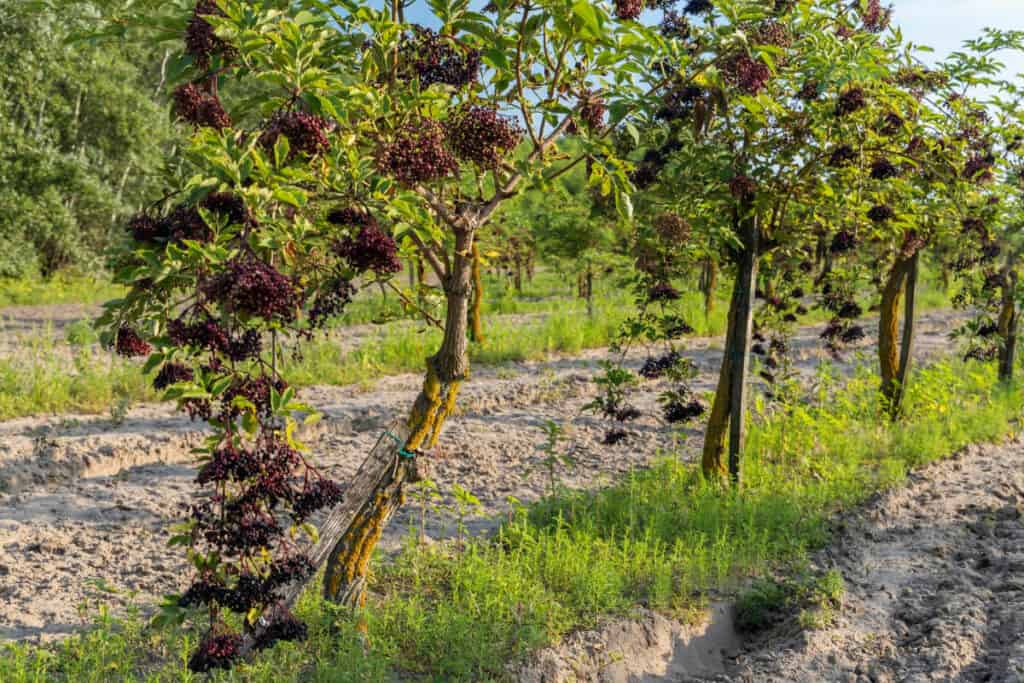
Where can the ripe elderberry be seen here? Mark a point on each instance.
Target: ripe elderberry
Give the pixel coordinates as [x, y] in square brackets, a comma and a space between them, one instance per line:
[628, 10]
[592, 111]
[250, 286]
[851, 100]
[746, 73]
[350, 216]
[318, 495]
[675, 25]
[843, 155]
[809, 91]
[850, 310]
[201, 109]
[216, 652]
[201, 41]
[881, 213]
[875, 17]
[743, 186]
[284, 627]
[883, 169]
[185, 223]
[773, 33]
[979, 168]
[654, 368]
[678, 411]
[614, 436]
[417, 154]
[678, 103]
[306, 133]
[973, 224]
[671, 228]
[330, 301]
[483, 136]
[370, 249]
[229, 463]
[434, 58]
[892, 124]
[229, 205]
[172, 373]
[128, 343]
[663, 291]
[698, 6]
[852, 334]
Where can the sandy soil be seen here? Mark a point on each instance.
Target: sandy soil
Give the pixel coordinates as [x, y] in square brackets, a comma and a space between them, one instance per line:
[86, 505]
[935, 584]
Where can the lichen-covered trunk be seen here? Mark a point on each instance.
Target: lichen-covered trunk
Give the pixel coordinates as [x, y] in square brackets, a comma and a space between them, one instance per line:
[728, 411]
[1007, 328]
[347, 565]
[893, 360]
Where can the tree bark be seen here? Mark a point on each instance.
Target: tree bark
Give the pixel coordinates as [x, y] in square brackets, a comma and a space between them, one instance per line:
[590, 289]
[890, 357]
[1008, 328]
[347, 565]
[476, 330]
[728, 412]
[709, 282]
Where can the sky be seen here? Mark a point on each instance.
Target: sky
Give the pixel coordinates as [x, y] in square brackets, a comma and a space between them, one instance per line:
[944, 24]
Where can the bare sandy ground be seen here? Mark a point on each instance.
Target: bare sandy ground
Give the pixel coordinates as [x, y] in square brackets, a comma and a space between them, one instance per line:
[85, 504]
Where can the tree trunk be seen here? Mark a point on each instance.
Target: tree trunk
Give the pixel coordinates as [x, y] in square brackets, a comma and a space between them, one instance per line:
[519, 274]
[1008, 328]
[476, 330]
[345, 573]
[909, 321]
[890, 356]
[709, 282]
[590, 289]
[728, 412]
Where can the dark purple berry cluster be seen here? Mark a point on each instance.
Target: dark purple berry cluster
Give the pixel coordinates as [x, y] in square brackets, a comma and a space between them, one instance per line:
[614, 436]
[679, 102]
[773, 33]
[252, 287]
[843, 242]
[698, 6]
[841, 156]
[200, 108]
[284, 627]
[628, 10]
[883, 169]
[892, 124]
[880, 213]
[663, 291]
[979, 168]
[591, 111]
[809, 91]
[671, 228]
[851, 100]
[371, 249]
[201, 41]
[306, 133]
[330, 301]
[653, 368]
[129, 344]
[746, 73]
[434, 58]
[350, 216]
[417, 154]
[875, 17]
[172, 373]
[675, 25]
[742, 186]
[182, 223]
[216, 652]
[483, 136]
[680, 411]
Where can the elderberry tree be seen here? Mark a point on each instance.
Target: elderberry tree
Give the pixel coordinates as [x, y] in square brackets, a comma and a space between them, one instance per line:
[318, 138]
[987, 252]
[741, 150]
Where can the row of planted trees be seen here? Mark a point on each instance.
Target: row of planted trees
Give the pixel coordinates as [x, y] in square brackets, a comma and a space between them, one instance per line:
[326, 141]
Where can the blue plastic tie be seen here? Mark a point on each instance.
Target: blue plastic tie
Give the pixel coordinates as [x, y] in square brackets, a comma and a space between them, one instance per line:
[401, 447]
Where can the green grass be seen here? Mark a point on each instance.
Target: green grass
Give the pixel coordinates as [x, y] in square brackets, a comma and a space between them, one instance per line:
[663, 538]
[64, 288]
[42, 382]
